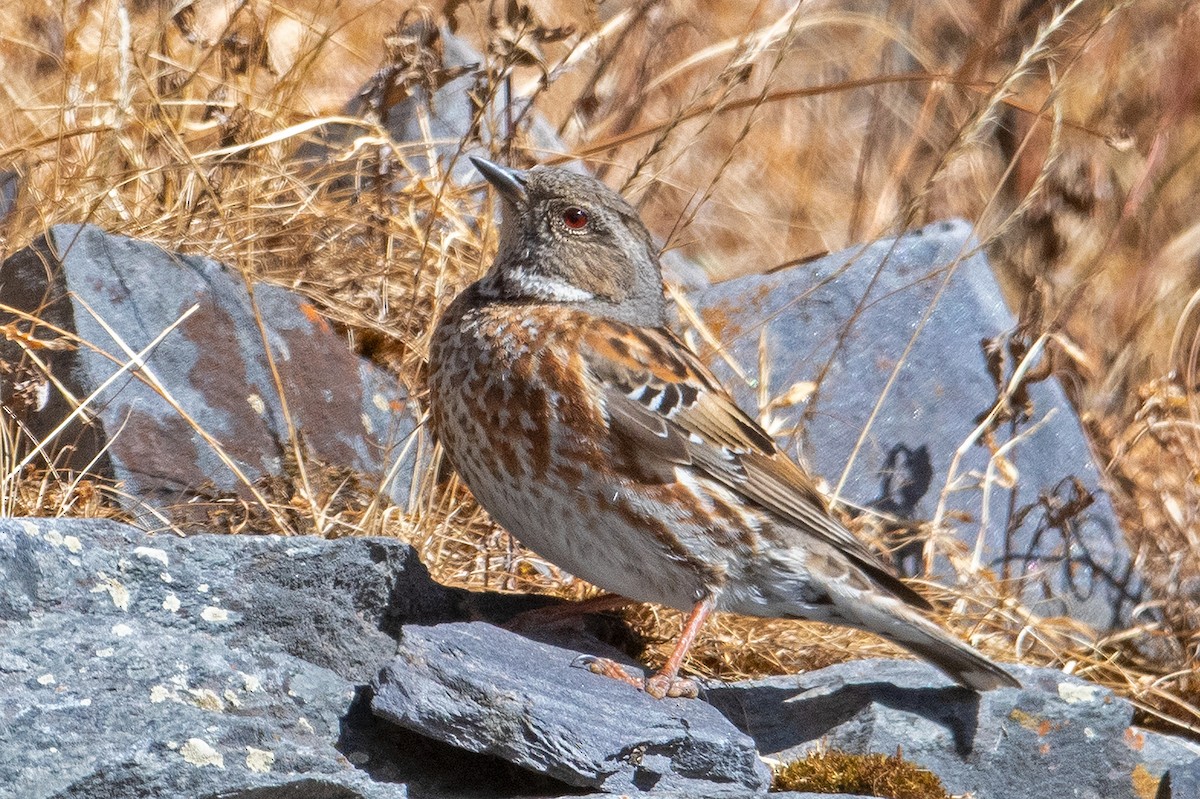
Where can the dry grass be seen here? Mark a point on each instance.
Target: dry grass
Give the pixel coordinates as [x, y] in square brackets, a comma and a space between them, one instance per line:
[751, 135]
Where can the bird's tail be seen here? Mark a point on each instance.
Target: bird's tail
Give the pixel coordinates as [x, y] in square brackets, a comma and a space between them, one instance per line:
[897, 622]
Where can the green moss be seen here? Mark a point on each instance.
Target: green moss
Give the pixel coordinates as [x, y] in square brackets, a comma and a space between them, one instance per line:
[866, 775]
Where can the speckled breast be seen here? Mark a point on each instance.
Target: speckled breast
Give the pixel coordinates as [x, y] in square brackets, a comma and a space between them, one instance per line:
[514, 410]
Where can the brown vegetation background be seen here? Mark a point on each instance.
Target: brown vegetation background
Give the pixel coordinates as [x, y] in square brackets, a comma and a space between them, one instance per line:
[751, 134]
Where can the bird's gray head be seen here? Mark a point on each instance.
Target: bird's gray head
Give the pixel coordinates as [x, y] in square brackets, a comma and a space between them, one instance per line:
[568, 238]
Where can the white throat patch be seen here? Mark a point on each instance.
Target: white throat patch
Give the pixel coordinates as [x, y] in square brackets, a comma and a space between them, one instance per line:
[546, 287]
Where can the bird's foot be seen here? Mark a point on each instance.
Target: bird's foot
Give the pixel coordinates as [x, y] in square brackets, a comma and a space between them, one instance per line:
[664, 685]
[658, 686]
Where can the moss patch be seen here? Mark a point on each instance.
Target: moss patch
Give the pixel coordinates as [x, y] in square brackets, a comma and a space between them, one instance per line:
[866, 775]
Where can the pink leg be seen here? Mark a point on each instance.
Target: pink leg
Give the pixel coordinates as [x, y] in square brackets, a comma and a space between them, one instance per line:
[666, 682]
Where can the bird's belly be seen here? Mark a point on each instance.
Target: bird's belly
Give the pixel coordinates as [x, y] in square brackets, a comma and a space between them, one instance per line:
[574, 532]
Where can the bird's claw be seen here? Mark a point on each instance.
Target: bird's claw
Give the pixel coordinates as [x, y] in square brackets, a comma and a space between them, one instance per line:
[657, 686]
[608, 668]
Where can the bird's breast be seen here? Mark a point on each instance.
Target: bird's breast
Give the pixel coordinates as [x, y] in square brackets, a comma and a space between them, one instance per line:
[520, 419]
[509, 392]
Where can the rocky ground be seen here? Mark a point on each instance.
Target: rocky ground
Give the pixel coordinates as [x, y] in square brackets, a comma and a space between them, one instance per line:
[253, 666]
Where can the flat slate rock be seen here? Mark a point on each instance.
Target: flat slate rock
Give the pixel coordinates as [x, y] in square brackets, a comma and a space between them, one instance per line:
[134, 664]
[138, 665]
[484, 689]
[446, 122]
[348, 413]
[845, 321]
[1057, 736]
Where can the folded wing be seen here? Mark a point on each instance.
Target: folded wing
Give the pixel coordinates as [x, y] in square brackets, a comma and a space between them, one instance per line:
[667, 410]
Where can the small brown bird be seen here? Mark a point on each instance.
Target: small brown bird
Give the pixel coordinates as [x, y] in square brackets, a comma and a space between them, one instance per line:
[595, 436]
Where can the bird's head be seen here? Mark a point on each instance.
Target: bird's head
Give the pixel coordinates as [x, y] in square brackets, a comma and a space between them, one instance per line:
[568, 238]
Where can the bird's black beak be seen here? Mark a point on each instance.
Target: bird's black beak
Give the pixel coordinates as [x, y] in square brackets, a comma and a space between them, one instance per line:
[509, 182]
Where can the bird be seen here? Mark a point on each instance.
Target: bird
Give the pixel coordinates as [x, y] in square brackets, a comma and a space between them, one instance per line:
[591, 433]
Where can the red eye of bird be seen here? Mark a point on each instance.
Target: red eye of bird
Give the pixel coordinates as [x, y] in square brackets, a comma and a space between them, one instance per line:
[575, 218]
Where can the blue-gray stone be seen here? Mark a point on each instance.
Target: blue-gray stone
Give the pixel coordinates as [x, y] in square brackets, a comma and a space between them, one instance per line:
[924, 302]
[134, 664]
[345, 411]
[139, 665]
[1057, 736]
[485, 689]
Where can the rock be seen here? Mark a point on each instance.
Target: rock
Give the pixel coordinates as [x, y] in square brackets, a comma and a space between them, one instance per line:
[1073, 563]
[484, 689]
[1181, 782]
[1058, 736]
[201, 717]
[154, 665]
[450, 111]
[336, 603]
[10, 185]
[351, 416]
[135, 665]
[442, 115]
[264, 666]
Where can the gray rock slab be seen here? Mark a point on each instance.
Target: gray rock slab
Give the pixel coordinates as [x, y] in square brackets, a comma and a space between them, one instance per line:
[1057, 736]
[446, 121]
[1181, 782]
[10, 184]
[135, 664]
[845, 321]
[124, 709]
[337, 604]
[346, 412]
[484, 689]
[139, 665]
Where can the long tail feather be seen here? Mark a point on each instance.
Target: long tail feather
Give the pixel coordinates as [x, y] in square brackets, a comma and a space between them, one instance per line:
[895, 621]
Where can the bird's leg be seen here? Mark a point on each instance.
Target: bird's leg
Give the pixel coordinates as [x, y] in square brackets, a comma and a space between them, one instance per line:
[666, 682]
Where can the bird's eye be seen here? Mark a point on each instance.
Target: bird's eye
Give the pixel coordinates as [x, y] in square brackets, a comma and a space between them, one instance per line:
[575, 218]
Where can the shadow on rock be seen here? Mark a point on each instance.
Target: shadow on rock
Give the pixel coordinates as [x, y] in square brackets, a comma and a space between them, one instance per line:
[431, 769]
[779, 718]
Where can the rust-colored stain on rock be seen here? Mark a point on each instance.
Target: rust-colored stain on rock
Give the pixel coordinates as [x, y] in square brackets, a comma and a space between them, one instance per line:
[313, 315]
[1134, 739]
[1041, 726]
[1144, 784]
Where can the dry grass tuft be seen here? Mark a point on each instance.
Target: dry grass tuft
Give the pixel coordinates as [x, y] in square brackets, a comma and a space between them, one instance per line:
[750, 137]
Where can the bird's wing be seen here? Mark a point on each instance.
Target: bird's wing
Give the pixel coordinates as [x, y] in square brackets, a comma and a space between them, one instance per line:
[663, 402]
